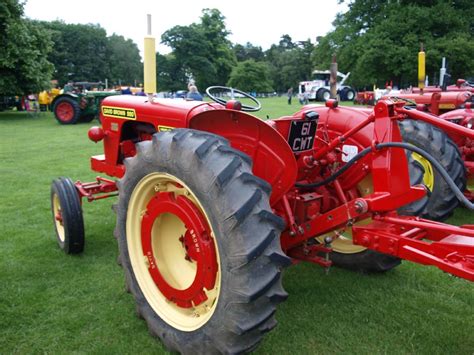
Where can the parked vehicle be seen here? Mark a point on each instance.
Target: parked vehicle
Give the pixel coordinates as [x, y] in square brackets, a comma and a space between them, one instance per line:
[318, 88]
[80, 102]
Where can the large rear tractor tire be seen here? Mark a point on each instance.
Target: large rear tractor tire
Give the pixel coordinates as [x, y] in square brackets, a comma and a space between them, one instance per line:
[347, 94]
[66, 110]
[441, 199]
[323, 95]
[67, 216]
[199, 243]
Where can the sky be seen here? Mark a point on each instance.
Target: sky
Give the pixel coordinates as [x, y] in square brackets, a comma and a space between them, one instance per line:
[261, 23]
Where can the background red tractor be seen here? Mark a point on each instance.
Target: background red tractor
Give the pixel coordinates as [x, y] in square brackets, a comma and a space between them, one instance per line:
[214, 202]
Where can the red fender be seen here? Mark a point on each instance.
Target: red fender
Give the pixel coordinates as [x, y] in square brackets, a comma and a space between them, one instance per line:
[273, 160]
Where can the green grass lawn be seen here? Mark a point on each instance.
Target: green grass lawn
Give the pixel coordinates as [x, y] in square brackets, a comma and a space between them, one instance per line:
[53, 303]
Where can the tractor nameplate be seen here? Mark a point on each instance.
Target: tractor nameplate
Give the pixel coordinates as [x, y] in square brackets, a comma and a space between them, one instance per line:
[301, 137]
[119, 112]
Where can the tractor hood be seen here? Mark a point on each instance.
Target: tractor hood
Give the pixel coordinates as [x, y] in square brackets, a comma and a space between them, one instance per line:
[140, 107]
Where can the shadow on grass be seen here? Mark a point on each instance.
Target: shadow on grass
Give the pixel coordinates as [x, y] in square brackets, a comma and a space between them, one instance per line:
[10, 116]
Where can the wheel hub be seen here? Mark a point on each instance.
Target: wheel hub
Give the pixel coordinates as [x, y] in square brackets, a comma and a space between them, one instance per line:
[64, 111]
[428, 176]
[196, 246]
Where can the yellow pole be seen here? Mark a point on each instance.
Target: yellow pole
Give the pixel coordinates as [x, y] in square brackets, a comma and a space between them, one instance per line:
[421, 68]
[333, 77]
[149, 61]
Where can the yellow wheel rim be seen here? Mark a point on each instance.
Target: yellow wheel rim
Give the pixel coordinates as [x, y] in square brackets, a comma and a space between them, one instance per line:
[428, 176]
[169, 252]
[342, 240]
[58, 218]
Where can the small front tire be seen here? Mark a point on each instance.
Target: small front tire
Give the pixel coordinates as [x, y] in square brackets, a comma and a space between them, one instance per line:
[67, 216]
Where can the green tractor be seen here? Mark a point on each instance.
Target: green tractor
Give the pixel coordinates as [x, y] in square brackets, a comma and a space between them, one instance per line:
[80, 101]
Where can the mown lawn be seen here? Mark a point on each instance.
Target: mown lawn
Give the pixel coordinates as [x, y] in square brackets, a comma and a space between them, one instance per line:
[53, 303]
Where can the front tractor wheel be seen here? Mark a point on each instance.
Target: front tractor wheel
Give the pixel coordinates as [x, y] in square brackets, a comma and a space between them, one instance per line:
[347, 255]
[67, 216]
[350, 256]
[199, 243]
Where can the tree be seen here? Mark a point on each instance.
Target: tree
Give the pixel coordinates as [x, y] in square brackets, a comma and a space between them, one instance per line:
[250, 76]
[248, 51]
[203, 48]
[79, 53]
[24, 67]
[289, 62]
[171, 75]
[378, 40]
[124, 61]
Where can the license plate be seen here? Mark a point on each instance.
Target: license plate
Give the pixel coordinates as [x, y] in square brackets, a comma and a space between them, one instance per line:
[301, 137]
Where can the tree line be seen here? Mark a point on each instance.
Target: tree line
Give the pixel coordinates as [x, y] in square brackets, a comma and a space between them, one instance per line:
[376, 40]
[35, 52]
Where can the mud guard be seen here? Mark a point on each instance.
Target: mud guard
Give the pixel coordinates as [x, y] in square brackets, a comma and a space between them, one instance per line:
[273, 159]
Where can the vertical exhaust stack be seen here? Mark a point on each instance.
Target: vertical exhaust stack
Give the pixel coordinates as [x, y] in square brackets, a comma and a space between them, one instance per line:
[442, 72]
[333, 78]
[421, 68]
[149, 61]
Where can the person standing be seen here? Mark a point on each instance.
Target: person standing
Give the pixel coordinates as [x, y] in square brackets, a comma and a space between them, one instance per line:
[290, 95]
[193, 93]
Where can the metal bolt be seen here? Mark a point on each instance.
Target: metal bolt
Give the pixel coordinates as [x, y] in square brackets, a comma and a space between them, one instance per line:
[361, 206]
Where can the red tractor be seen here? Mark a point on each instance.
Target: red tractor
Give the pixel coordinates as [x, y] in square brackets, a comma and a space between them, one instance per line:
[213, 203]
[461, 85]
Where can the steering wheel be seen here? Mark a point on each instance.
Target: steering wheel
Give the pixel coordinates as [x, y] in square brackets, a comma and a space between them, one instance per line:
[232, 91]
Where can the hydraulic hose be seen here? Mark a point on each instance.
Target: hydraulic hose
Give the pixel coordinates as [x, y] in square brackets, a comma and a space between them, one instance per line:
[452, 185]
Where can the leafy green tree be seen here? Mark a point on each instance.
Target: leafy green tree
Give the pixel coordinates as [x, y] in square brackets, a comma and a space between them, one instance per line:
[24, 67]
[170, 73]
[79, 53]
[124, 61]
[203, 48]
[289, 62]
[192, 50]
[379, 40]
[250, 76]
[248, 51]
